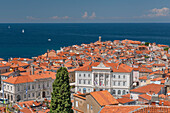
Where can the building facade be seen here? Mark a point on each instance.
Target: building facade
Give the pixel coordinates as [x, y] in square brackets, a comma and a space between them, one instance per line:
[28, 87]
[116, 78]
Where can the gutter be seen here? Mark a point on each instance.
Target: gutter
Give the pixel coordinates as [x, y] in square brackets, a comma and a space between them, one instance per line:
[100, 109]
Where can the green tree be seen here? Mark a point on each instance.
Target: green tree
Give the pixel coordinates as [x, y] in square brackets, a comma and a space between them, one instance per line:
[60, 100]
[146, 43]
[166, 48]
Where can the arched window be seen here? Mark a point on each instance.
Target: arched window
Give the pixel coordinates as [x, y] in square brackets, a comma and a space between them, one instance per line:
[11, 98]
[113, 92]
[119, 92]
[119, 76]
[84, 90]
[124, 92]
[18, 98]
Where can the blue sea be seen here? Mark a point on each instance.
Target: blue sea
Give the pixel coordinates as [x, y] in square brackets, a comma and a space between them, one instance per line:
[34, 41]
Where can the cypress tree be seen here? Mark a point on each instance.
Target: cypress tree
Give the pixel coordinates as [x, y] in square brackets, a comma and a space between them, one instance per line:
[60, 100]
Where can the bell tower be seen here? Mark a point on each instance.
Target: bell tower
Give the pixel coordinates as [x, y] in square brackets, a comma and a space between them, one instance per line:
[100, 38]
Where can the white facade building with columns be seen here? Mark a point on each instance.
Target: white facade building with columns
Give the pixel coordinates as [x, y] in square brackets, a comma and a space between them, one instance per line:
[116, 78]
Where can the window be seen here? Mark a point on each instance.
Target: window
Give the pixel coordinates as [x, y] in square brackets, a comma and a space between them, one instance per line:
[32, 86]
[124, 92]
[124, 76]
[24, 87]
[119, 76]
[47, 84]
[79, 75]
[88, 106]
[91, 107]
[89, 90]
[80, 89]
[39, 94]
[76, 103]
[32, 94]
[84, 81]
[47, 92]
[28, 87]
[124, 83]
[84, 90]
[114, 83]
[88, 81]
[107, 76]
[24, 95]
[38, 85]
[118, 83]
[84, 75]
[119, 92]
[96, 75]
[43, 85]
[79, 81]
[113, 76]
[11, 97]
[29, 95]
[18, 88]
[88, 75]
[8, 87]
[107, 82]
[113, 92]
[11, 88]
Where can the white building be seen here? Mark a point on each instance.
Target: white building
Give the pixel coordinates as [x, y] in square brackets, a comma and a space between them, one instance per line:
[114, 77]
[29, 87]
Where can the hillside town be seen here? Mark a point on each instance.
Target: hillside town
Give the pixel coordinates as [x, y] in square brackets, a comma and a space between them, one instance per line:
[105, 77]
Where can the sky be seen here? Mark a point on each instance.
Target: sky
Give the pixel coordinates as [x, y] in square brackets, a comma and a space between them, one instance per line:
[85, 11]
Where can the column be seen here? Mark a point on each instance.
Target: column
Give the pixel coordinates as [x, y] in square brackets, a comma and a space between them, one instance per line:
[92, 78]
[110, 80]
[98, 79]
[104, 79]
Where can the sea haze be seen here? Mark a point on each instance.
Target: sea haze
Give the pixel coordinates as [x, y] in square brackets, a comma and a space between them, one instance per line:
[34, 41]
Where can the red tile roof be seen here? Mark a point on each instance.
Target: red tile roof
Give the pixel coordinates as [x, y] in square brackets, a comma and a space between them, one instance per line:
[104, 98]
[124, 100]
[150, 88]
[114, 66]
[30, 78]
[126, 96]
[118, 109]
[145, 96]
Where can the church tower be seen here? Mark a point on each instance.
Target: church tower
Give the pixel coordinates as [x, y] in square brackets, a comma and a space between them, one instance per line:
[100, 38]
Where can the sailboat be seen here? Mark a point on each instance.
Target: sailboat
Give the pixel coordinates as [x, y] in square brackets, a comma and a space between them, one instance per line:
[22, 30]
[9, 27]
[49, 40]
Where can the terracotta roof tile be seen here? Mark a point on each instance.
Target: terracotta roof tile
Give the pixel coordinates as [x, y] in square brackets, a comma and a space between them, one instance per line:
[124, 100]
[150, 88]
[145, 96]
[104, 98]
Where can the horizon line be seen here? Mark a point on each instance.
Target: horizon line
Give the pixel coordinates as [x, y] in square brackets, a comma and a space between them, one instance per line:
[86, 23]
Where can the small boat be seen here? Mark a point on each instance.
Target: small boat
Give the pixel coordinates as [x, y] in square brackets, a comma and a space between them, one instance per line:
[22, 30]
[9, 27]
[49, 40]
